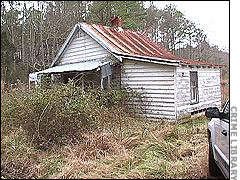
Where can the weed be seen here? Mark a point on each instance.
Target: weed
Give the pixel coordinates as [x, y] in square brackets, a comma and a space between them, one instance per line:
[64, 132]
[51, 166]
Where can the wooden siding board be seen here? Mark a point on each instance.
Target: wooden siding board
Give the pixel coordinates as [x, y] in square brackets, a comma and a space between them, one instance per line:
[175, 92]
[208, 87]
[147, 66]
[199, 106]
[79, 59]
[154, 103]
[141, 70]
[152, 87]
[147, 78]
[76, 41]
[155, 116]
[155, 108]
[155, 83]
[152, 84]
[80, 45]
[156, 100]
[154, 91]
[150, 74]
[88, 53]
[83, 48]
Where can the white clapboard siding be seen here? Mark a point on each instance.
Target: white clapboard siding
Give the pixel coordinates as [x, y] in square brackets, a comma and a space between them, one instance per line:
[147, 78]
[155, 103]
[163, 84]
[152, 74]
[156, 99]
[155, 83]
[209, 89]
[85, 56]
[154, 107]
[140, 70]
[156, 112]
[82, 48]
[154, 116]
[194, 107]
[146, 81]
[207, 85]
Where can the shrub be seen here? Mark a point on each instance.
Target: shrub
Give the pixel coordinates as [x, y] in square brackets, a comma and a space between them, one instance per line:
[53, 114]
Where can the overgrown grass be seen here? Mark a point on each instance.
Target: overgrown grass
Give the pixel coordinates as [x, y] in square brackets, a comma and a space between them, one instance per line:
[159, 151]
[62, 112]
[63, 132]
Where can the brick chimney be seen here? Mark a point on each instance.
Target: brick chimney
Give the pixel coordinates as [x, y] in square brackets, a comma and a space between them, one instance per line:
[116, 22]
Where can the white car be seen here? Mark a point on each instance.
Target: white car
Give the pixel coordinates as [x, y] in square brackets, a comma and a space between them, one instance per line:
[218, 136]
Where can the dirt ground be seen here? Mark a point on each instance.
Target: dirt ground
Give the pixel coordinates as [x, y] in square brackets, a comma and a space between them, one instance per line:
[220, 176]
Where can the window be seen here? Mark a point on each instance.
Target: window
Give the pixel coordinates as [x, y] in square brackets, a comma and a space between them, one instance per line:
[194, 86]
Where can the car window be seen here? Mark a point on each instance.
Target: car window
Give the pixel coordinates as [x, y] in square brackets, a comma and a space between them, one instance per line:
[226, 111]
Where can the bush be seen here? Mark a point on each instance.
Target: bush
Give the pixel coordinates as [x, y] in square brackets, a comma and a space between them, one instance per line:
[62, 112]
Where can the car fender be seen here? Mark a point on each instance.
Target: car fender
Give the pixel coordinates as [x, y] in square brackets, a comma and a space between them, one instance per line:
[212, 134]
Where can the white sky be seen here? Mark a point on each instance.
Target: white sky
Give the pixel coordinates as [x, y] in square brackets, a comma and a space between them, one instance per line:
[210, 16]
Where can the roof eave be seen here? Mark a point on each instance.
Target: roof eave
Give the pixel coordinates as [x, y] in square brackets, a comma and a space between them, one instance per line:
[150, 59]
[204, 65]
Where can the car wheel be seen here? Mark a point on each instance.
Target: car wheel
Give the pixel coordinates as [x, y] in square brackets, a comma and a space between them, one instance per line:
[213, 168]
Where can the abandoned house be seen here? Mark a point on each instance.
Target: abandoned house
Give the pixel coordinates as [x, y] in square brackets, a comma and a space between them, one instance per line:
[172, 87]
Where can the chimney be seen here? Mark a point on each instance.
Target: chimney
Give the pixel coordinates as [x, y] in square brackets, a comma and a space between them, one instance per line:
[116, 22]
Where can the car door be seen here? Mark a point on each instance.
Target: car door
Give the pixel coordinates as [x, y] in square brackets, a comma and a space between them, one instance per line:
[221, 126]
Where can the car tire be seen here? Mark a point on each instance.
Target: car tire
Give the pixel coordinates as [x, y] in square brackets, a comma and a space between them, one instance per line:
[213, 168]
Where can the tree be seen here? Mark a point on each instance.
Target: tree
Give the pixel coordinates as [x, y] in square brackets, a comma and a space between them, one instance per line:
[32, 32]
[131, 12]
[151, 22]
[172, 25]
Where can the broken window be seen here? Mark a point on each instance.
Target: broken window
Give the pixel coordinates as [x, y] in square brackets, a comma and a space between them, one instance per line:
[194, 86]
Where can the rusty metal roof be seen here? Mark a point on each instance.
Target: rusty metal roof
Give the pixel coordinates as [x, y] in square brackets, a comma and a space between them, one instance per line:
[129, 42]
[124, 41]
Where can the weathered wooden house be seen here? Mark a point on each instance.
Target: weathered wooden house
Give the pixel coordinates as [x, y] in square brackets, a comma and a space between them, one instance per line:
[172, 87]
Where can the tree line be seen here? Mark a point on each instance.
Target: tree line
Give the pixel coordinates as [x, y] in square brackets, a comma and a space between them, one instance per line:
[33, 32]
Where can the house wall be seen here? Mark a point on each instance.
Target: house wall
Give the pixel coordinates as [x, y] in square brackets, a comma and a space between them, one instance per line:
[155, 83]
[82, 48]
[209, 89]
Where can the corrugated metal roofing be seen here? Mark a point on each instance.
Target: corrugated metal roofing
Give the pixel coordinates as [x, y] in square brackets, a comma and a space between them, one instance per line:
[134, 43]
[129, 42]
[81, 66]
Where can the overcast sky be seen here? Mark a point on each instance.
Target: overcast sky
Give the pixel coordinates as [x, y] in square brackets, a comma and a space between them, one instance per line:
[211, 16]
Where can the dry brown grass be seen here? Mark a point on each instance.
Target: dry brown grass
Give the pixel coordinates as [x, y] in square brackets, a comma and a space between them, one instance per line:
[147, 150]
[118, 147]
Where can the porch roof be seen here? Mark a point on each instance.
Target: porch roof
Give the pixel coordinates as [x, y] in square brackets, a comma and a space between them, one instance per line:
[80, 66]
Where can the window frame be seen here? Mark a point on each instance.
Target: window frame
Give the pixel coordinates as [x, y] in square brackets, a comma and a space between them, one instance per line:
[194, 89]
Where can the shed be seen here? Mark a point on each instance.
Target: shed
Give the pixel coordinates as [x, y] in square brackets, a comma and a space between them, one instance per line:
[172, 87]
